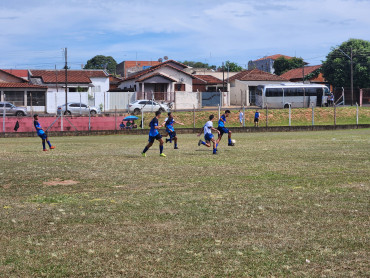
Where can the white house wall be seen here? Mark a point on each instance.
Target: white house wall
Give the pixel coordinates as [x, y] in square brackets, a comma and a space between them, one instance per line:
[178, 75]
[55, 99]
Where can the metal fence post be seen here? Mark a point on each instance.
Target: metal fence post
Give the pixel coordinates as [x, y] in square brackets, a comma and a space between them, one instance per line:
[219, 111]
[313, 115]
[61, 120]
[290, 115]
[4, 113]
[243, 115]
[89, 120]
[142, 119]
[193, 116]
[267, 118]
[115, 117]
[356, 113]
[335, 115]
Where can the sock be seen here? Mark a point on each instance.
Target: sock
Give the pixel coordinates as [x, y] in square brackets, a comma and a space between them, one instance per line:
[216, 145]
[203, 143]
[49, 144]
[145, 149]
[230, 141]
[214, 150]
[43, 145]
[160, 149]
[175, 145]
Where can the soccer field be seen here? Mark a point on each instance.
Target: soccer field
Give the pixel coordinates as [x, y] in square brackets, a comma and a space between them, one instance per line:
[276, 204]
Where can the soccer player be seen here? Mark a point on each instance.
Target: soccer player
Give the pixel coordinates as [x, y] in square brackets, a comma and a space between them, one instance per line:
[208, 136]
[41, 133]
[241, 117]
[256, 118]
[169, 122]
[154, 135]
[223, 129]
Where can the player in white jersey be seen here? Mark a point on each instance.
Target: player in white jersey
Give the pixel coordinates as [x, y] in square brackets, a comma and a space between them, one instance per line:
[208, 136]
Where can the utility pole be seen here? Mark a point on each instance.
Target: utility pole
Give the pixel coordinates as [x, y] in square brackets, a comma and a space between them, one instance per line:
[66, 72]
[351, 60]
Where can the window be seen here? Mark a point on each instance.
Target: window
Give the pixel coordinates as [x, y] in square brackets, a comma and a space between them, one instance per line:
[179, 87]
[15, 97]
[274, 92]
[142, 102]
[6, 105]
[35, 98]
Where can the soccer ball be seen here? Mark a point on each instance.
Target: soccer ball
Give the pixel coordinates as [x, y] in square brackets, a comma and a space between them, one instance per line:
[233, 141]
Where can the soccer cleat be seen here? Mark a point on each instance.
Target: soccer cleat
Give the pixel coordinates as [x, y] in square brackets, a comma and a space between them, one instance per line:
[231, 144]
[143, 154]
[199, 142]
[167, 141]
[176, 148]
[162, 154]
[52, 148]
[45, 150]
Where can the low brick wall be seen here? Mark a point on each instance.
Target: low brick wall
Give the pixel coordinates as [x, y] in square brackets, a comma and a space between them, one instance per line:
[186, 130]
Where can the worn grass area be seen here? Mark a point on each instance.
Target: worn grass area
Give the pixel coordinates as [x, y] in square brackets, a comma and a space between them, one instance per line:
[276, 204]
[276, 117]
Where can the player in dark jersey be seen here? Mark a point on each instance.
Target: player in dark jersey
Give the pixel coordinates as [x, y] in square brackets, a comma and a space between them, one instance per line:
[223, 129]
[169, 122]
[41, 133]
[154, 135]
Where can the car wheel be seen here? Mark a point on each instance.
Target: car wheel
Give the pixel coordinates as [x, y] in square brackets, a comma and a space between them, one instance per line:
[286, 106]
[19, 113]
[92, 112]
[137, 111]
[67, 113]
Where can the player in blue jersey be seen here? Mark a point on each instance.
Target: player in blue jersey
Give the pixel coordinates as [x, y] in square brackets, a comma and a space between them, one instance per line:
[169, 122]
[41, 133]
[208, 136]
[154, 135]
[256, 118]
[223, 129]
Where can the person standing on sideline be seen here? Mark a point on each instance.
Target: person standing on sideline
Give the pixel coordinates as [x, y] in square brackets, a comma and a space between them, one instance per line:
[169, 122]
[241, 117]
[208, 136]
[223, 129]
[154, 135]
[256, 118]
[41, 133]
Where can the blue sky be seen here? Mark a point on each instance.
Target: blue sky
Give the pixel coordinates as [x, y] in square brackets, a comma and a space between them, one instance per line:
[34, 32]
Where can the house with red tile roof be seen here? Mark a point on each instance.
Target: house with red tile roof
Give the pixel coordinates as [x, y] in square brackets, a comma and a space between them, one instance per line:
[207, 83]
[243, 85]
[167, 77]
[19, 92]
[86, 86]
[127, 68]
[22, 73]
[266, 63]
[311, 74]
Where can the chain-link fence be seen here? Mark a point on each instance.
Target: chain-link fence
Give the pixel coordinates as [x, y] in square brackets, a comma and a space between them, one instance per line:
[239, 117]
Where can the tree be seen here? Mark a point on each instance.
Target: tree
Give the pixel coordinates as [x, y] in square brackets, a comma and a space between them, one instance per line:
[282, 64]
[198, 65]
[102, 62]
[232, 67]
[337, 66]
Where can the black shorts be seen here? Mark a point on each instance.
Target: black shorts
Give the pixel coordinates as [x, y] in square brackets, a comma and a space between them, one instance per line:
[153, 138]
[256, 120]
[172, 134]
[223, 130]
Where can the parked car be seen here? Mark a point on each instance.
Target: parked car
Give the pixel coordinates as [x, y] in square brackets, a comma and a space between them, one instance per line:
[12, 110]
[148, 106]
[76, 108]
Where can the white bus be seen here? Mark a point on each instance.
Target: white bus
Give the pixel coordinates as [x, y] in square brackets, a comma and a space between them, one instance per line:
[297, 95]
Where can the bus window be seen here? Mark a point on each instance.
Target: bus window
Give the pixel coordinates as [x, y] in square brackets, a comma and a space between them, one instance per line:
[274, 92]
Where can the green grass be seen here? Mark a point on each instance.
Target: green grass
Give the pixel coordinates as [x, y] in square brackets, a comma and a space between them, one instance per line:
[276, 117]
[276, 204]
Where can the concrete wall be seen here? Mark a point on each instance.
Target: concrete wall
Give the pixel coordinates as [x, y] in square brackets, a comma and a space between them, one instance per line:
[187, 100]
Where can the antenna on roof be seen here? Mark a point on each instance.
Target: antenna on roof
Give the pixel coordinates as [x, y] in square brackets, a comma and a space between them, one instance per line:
[160, 60]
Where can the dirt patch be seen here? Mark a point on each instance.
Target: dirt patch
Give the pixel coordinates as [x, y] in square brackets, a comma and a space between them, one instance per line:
[60, 182]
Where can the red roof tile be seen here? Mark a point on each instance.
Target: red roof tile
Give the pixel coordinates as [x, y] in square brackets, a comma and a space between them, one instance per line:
[209, 79]
[297, 73]
[18, 72]
[20, 79]
[256, 75]
[73, 76]
[21, 85]
[155, 74]
[274, 57]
